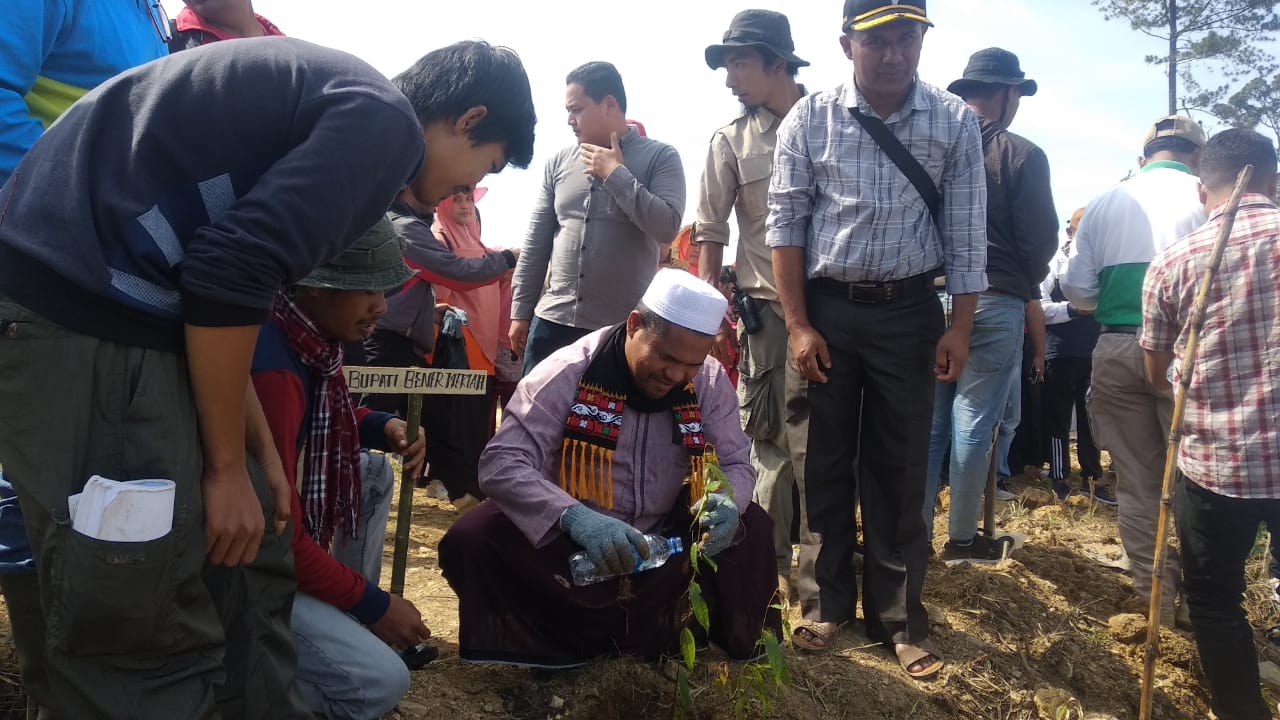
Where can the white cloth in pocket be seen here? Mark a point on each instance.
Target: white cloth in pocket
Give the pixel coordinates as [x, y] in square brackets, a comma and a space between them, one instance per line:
[129, 511]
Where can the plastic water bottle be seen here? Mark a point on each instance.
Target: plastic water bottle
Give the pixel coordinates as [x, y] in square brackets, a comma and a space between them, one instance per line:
[660, 549]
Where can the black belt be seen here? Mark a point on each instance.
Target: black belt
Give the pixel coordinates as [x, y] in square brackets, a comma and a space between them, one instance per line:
[1120, 329]
[876, 293]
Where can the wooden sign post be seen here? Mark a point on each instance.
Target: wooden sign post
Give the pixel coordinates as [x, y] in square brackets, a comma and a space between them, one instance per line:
[414, 382]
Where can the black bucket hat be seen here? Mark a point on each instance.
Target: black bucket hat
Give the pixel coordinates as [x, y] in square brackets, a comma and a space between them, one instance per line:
[993, 66]
[756, 28]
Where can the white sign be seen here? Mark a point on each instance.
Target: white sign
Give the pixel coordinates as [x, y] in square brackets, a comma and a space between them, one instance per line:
[414, 381]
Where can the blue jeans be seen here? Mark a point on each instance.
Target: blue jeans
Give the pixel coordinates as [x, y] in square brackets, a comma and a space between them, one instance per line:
[546, 337]
[363, 553]
[967, 414]
[1008, 428]
[344, 670]
[15, 550]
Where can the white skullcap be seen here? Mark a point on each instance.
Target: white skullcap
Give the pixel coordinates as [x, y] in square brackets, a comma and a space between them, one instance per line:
[680, 298]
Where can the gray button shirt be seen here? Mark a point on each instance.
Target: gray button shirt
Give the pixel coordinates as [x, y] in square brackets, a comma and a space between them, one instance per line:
[596, 244]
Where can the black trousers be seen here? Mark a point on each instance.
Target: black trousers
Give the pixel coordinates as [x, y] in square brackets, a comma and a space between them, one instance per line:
[1217, 534]
[870, 421]
[1066, 385]
[1028, 446]
[457, 428]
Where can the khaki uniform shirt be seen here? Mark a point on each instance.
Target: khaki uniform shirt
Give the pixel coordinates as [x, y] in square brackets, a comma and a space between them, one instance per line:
[736, 178]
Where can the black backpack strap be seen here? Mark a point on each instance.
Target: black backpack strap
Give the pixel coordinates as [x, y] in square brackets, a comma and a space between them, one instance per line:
[905, 161]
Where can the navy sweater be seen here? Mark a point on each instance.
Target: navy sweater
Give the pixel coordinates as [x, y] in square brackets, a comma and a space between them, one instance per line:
[191, 189]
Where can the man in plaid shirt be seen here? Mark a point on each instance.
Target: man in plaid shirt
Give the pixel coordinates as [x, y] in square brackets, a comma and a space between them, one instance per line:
[1228, 479]
[855, 251]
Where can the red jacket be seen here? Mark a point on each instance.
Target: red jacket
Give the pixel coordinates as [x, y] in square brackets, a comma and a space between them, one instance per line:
[283, 386]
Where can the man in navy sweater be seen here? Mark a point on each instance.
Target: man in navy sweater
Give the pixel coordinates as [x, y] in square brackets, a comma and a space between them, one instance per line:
[142, 241]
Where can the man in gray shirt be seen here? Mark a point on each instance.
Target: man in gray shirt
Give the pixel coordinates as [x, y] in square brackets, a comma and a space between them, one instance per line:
[607, 206]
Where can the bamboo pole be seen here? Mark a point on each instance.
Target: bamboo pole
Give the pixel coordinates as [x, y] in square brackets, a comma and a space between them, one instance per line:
[404, 512]
[1152, 647]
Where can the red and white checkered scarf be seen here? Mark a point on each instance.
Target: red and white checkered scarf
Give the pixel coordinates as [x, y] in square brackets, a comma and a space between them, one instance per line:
[330, 483]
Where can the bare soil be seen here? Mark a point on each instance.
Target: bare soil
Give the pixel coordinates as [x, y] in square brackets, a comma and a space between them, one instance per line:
[1027, 638]
[1036, 624]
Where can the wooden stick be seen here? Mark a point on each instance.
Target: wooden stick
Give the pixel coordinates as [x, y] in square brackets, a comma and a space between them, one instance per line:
[404, 514]
[989, 499]
[1152, 647]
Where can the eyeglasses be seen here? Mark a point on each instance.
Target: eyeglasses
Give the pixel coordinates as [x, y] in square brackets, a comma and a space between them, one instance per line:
[159, 20]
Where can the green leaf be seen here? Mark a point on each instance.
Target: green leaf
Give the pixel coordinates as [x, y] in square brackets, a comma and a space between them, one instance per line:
[777, 663]
[699, 606]
[688, 648]
[712, 563]
[763, 696]
[718, 482]
[682, 693]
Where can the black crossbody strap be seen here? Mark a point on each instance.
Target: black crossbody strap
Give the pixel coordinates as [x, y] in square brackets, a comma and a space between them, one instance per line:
[905, 161]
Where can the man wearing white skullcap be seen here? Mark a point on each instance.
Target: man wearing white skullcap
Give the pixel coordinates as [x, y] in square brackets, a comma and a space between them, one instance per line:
[612, 437]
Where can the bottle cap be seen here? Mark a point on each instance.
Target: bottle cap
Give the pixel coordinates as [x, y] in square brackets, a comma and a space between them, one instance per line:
[675, 545]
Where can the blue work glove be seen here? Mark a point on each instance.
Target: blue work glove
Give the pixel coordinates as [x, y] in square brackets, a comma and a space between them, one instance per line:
[607, 541]
[719, 521]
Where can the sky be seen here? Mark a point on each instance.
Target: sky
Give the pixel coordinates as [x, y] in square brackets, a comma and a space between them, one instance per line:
[1096, 96]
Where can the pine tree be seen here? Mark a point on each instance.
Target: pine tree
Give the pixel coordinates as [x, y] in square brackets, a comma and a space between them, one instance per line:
[1225, 33]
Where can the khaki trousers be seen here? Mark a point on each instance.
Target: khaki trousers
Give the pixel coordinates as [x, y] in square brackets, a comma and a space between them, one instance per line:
[1130, 419]
[762, 397]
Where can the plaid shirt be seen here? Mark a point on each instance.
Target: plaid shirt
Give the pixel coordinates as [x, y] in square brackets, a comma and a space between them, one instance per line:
[1231, 426]
[837, 194]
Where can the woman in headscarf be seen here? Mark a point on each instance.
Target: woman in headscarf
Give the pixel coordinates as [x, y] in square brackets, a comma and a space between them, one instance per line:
[457, 227]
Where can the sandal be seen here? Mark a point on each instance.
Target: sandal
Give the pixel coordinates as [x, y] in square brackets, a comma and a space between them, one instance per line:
[814, 636]
[915, 656]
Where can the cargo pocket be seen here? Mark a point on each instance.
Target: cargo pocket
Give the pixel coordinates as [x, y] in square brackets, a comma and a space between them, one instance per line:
[758, 406]
[112, 598]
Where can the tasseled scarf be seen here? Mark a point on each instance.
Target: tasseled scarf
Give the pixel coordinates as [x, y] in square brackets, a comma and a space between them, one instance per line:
[595, 422]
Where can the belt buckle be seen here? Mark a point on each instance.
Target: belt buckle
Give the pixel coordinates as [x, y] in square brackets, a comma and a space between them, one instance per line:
[866, 292]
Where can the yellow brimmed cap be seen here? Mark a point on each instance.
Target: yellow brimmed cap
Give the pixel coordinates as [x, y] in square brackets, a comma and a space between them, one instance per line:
[868, 14]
